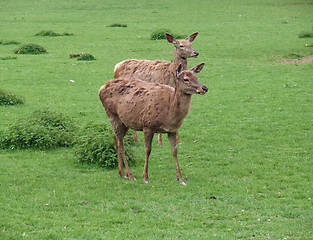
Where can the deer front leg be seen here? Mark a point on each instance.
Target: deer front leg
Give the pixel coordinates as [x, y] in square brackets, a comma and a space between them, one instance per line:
[172, 140]
[148, 135]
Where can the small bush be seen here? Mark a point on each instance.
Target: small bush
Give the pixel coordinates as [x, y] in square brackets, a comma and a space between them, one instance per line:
[117, 25]
[86, 57]
[7, 98]
[305, 35]
[43, 129]
[95, 146]
[9, 42]
[295, 55]
[51, 33]
[8, 57]
[30, 49]
[160, 34]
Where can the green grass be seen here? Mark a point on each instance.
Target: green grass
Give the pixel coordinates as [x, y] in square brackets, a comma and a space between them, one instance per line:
[247, 142]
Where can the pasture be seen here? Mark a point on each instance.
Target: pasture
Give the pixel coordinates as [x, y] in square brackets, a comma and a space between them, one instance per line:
[247, 145]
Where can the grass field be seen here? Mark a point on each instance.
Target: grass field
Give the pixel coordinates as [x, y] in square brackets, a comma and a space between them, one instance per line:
[247, 146]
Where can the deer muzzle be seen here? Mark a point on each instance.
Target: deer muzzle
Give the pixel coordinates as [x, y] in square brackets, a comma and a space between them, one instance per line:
[195, 54]
[203, 90]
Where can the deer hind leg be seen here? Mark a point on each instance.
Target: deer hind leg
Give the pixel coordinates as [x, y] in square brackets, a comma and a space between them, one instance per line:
[177, 138]
[119, 158]
[122, 152]
[135, 137]
[172, 140]
[120, 131]
[148, 134]
[160, 142]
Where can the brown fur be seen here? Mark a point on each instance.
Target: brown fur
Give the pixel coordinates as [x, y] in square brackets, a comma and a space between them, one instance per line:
[151, 108]
[157, 71]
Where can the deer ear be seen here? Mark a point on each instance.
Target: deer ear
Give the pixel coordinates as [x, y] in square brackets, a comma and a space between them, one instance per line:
[179, 69]
[170, 38]
[198, 68]
[192, 37]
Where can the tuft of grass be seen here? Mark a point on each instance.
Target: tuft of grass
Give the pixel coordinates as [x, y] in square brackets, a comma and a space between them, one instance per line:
[8, 57]
[160, 34]
[95, 146]
[86, 57]
[9, 42]
[43, 129]
[51, 33]
[295, 55]
[305, 35]
[30, 48]
[117, 25]
[7, 98]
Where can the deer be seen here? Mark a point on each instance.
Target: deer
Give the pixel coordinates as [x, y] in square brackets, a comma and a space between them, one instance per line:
[131, 103]
[158, 71]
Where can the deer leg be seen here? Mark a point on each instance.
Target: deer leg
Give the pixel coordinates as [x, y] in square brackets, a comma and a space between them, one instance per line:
[148, 141]
[135, 137]
[122, 151]
[172, 140]
[119, 158]
[177, 138]
[160, 142]
[120, 131]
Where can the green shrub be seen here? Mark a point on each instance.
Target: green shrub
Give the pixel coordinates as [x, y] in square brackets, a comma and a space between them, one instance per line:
[95, 146]
[51, 33]
[117, 25]
[43, 129]
[8, 57]
[295, 55]
[9, 42]
[7, 98]
[86, 57]
[30, 48]
[160, 34]
[305, 35]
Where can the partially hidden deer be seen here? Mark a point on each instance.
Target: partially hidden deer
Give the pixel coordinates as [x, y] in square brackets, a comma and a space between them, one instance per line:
[157, 71]
[151, 108]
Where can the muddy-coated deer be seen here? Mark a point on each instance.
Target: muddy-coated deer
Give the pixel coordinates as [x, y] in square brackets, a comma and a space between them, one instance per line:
[157, 71]
[151, 108]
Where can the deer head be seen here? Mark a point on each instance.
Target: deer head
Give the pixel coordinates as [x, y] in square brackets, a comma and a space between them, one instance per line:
[183, 47]
[188, 81]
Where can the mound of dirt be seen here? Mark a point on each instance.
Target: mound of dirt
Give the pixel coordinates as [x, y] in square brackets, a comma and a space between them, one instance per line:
[308, 59]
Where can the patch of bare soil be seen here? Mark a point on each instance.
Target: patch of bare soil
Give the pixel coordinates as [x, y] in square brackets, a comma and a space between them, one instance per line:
[308, 59]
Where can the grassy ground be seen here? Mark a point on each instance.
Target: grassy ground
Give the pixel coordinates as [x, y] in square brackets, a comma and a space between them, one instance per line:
[247, 144]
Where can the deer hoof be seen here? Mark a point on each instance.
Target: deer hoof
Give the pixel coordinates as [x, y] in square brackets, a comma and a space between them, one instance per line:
[145, 179]
[131, 177]
[182, 182]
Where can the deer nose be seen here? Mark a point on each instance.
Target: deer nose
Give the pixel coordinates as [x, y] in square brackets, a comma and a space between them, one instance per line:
[205, 88]
[196, 54]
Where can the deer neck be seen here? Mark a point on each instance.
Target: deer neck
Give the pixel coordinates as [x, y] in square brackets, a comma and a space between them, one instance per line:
[181, 103]
[179, 60]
